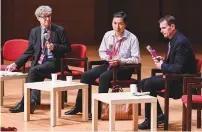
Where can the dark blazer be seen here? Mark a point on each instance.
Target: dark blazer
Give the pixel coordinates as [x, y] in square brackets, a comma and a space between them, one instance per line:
[58, 38]
[181, 59]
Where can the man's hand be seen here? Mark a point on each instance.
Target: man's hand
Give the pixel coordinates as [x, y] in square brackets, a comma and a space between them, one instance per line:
[158, 58]
[50, 46]
[158, 64]
[114, 62]
[11, 67]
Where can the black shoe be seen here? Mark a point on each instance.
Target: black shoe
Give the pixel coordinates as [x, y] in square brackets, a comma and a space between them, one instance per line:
[144, 125]
[160, 118]
[32, 106]
[18, 108]
[90, 116]
[73, 111]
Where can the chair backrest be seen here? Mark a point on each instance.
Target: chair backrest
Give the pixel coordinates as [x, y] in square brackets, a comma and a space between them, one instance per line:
[14, 48]
[78, 51]
[199, 64]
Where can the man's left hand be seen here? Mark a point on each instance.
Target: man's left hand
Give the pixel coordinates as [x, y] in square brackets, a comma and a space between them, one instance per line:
[158, 64]
[114, 62]
[50, 46]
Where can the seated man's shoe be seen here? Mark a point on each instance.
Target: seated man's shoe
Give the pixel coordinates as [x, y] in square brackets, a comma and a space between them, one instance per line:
[160, 118]
[32, 106]
[18, 108]
[144, 125]
[73, 111]
[90, 116]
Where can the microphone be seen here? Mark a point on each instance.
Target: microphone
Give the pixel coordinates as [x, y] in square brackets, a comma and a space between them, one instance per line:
[46, 35]
[151, 51]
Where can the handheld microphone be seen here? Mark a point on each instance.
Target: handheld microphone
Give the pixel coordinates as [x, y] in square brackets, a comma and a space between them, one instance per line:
[151, 51]
[46, 36]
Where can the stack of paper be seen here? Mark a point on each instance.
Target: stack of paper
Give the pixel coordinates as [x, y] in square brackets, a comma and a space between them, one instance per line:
[7, 73]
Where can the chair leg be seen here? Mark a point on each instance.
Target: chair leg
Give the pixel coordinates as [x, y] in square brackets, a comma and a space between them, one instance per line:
[65, 96]
[184, 119]
[2, 92]
[166, 111]
[189, 115]
[2, 85]
[139, 109]
[198, 118]
[63, 99]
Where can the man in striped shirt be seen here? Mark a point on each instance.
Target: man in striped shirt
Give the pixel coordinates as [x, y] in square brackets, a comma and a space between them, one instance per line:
[118, 47]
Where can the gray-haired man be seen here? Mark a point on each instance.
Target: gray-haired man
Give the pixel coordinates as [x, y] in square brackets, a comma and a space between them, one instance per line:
[47, 43]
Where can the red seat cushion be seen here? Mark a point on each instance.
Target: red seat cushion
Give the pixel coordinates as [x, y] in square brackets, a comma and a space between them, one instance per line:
[195, 99]
[74, 73]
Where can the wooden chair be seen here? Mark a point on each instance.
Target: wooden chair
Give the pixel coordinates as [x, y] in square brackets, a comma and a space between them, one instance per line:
[122, 83]
[166, 92]
[76, 59]
[12, 50]
[191, 101]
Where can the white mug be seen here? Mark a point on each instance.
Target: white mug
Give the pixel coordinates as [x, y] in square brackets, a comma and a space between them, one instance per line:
[69, 80]
[133, 88]
[54, 77]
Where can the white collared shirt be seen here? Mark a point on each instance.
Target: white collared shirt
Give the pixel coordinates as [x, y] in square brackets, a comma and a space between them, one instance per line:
[129, 52]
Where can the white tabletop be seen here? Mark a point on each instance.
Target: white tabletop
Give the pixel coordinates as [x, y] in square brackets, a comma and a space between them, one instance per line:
[123, 97]
[6, 75]
[59, 85]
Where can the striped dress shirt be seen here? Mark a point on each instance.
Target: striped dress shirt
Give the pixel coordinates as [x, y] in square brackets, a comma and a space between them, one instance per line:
[129, 52]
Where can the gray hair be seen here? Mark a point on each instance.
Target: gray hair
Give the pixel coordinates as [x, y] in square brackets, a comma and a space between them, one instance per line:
[41, 10]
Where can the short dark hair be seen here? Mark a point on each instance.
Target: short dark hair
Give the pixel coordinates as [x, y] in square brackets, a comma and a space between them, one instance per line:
[169, 19]
[122, 15]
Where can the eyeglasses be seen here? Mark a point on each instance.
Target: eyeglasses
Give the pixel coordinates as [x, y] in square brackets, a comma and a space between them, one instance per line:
[45, 17]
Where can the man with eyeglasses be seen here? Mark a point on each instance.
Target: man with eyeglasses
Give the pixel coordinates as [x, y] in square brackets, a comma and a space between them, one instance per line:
[47, 44]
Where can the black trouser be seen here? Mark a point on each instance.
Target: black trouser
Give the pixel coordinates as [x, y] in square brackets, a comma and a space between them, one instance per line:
[37, 74]
[105, 76]
[152, 85]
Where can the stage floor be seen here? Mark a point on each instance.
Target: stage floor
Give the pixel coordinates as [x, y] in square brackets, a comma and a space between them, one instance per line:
[40, 120]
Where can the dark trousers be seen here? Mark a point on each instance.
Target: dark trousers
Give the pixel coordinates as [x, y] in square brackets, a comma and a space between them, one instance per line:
[37, 74]
[152, 85]
[105, 77]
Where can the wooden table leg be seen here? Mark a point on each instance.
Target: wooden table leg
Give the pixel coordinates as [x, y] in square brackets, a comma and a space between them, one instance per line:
[135, 117]
[53, 108]
[26, 104]
[85, 104]
[112, 108]
[59, 103]
[95, 115]
[153, 117]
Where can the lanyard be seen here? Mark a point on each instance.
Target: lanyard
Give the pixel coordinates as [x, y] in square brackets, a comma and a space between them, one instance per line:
[114, 47]
[44, 47]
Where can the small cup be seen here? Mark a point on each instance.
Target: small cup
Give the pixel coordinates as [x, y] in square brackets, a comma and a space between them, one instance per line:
[69, 80]
[133, 88]
[54, 77]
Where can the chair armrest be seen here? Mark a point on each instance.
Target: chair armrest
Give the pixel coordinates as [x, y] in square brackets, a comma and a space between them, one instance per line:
[192, 80]
[154, 71]
[98, 62]
[75, 59]
[174, 75]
